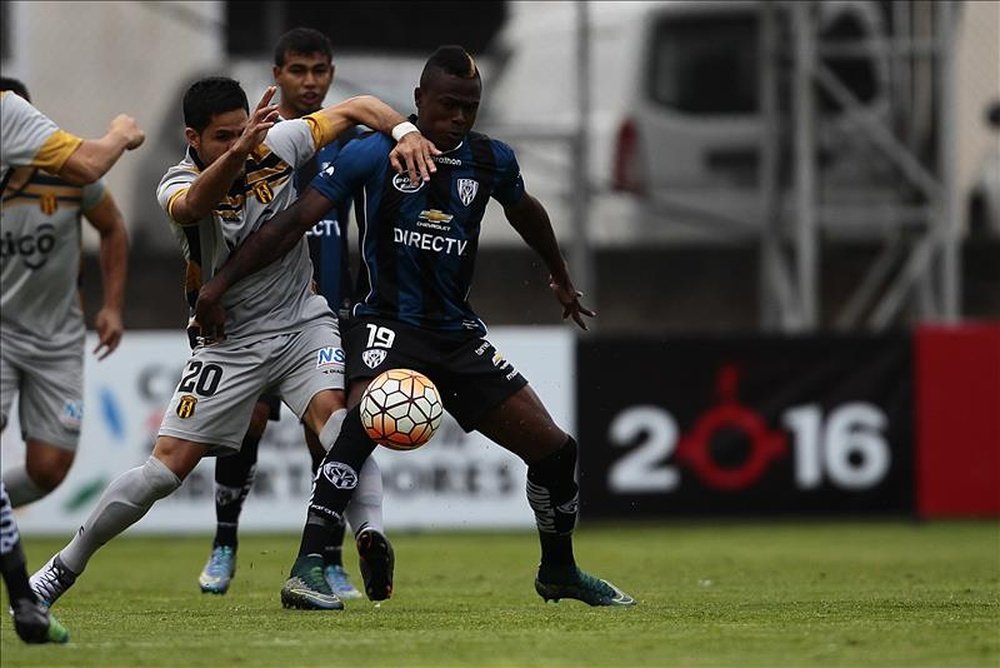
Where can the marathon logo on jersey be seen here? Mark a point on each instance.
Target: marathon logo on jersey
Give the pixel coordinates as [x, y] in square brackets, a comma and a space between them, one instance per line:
[72, 415]
[340, 475]
[330, 359]
[430, 242]
[445, 160]
[373, 357]
[401, 182]
[185, 407]
[262, 191]
[33, 248]
[48, 203]
[467, 189]
[434, 219]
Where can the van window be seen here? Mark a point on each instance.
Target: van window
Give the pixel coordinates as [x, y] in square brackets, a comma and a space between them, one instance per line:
[705, 64]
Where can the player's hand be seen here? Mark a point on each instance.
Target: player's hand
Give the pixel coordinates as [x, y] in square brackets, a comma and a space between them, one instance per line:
[569, 297]
[126, 126]
[413, 155]
[108, 324]
[261, 120]
[210, 316]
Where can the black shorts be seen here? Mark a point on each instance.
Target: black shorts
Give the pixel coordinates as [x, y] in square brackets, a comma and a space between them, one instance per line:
[470, 374]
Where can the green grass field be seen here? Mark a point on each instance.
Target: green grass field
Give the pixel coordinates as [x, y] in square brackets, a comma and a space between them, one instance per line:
[710, 594]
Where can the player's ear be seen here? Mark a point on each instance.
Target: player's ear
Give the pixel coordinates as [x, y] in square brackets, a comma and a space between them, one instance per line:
[193, 139]
[275, 71]
[416, 96]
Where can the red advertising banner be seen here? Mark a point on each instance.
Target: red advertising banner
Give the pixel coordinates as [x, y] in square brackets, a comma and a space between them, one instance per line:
[958, 420]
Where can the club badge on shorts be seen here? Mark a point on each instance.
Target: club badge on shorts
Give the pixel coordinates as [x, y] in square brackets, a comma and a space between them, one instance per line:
[373, 357]
[185, 407]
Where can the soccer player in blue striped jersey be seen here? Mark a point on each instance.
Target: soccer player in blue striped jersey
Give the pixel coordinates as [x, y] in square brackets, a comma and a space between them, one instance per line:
[418, 247]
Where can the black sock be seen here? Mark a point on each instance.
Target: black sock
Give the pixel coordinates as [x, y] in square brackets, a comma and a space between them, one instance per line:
[15, 575]
[554, 497]
[335, 484]
[234, 477]
[333, 550]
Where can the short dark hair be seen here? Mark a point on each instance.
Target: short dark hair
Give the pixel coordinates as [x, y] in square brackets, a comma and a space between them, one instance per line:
[15, 86]
[450, 59]
[209, 97]
[302, 40]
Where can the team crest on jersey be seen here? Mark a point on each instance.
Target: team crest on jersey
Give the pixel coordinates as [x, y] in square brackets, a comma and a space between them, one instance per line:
[48, 203]
[373, 357]
[263, 192]
[402, 183]
[185, 407]
[467, 189]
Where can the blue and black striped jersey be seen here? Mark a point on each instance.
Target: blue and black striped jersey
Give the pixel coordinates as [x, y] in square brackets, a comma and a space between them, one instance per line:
[418, 243]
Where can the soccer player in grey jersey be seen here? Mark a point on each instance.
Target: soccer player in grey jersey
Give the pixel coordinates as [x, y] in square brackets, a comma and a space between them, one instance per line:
[281, 337]
[41, 320]
[29, 138]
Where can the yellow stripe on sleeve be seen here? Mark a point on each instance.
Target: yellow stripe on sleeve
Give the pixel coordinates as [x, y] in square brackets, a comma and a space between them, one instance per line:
[56, 151]
[322, 128]
[173, 198]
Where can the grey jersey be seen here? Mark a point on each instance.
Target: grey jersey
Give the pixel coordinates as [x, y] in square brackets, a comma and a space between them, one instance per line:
[30, 138]
[277, 298]
[40, 259]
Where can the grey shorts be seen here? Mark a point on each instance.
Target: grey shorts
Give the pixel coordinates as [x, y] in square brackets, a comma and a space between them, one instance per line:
[49, 387]
[220, 384]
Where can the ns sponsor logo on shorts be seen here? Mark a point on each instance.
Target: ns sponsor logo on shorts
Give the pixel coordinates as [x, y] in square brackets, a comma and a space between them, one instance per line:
[340, 475]
[330, 359]
[72, 415]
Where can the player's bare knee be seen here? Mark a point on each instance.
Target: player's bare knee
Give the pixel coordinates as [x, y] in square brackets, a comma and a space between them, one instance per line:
[321, 407]
[47, 465]
[179, 456]
[258, 420]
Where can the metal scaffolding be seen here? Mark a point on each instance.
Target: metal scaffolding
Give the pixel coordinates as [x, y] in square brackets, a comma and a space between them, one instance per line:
[917, 271]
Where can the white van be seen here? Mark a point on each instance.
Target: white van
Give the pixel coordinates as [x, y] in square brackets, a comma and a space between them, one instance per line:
[675, 132]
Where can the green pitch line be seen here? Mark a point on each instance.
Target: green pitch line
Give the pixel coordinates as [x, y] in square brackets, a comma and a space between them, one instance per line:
[710, 594]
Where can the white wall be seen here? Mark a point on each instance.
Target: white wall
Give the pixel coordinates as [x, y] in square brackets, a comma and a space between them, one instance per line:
[85, 62]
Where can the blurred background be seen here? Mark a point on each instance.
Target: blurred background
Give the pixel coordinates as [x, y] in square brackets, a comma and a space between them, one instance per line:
[791, 205]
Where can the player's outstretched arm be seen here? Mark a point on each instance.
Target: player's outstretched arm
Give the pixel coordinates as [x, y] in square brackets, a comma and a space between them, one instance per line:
[107, 219]
[275, 237]
[211, 185]
[413, 152]
[531, 221]
[95, 157]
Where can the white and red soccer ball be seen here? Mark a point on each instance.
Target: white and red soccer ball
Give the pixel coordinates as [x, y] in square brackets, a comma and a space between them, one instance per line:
[401, 409]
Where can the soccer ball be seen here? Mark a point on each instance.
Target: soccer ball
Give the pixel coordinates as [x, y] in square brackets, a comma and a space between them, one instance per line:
[401, 409]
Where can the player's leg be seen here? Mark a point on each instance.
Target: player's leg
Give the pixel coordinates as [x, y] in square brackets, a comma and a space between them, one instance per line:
[522, 425]
[234, 476]
[333, 552]
[310, 378]
[50, 411]
[32, 621]
[45, 467]
[209, 410]
[485, 392]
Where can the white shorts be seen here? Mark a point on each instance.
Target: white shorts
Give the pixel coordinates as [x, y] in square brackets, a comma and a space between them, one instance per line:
[220, 384]
[49, 384]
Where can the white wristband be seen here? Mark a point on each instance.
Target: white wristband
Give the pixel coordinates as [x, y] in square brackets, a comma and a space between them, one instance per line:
[403, 129]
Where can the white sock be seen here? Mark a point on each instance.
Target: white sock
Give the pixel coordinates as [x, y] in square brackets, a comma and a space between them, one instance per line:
[21, 489]
[124, 502]
[365, 509]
